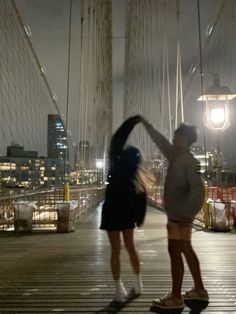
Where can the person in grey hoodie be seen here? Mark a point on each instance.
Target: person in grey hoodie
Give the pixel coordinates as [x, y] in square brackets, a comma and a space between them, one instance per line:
[183, 198]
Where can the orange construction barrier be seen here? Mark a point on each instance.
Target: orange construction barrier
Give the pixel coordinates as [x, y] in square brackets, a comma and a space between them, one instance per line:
[214, 192]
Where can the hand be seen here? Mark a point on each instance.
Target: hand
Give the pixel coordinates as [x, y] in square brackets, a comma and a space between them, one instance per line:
[138, 118]
[145, 122]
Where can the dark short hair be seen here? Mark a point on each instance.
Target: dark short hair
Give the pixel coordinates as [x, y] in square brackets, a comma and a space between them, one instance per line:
[129, 160]
[188, 131]
[131, 155]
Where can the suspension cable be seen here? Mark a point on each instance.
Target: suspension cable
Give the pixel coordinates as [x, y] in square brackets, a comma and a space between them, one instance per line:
[201, 77]
[80, 83]
[163, 72]
[179, 84]
[67, 95]
[168, 93]
[177, 67]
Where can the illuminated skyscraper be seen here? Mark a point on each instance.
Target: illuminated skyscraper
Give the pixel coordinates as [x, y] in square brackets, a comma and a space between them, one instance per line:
[57, 148]
[56, 137]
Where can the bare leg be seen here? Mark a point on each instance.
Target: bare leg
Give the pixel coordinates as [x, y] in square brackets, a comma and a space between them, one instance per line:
[190, 255]
[114, 238]
[120, 292]
[128, 236]
[176, 260]
[193, 264]
[177, 266]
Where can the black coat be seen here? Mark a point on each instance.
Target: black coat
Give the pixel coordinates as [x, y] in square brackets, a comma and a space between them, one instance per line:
[124, 206]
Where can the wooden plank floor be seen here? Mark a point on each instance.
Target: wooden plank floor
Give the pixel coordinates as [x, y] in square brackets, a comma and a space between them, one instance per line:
[69, 273]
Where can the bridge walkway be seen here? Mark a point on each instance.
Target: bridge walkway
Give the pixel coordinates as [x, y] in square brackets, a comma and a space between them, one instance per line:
[69, 273]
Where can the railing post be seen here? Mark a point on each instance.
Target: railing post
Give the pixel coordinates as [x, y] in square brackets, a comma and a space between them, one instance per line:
[206, 208]
[66, 192]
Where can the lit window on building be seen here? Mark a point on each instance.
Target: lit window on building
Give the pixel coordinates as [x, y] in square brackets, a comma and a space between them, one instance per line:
[7, 166]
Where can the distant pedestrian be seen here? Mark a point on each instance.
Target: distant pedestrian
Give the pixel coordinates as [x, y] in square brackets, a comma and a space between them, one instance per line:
[125, 205]
[183, 198]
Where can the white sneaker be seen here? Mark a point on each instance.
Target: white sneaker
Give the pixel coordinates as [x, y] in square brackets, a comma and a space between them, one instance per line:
[121, 294]
[138, 286]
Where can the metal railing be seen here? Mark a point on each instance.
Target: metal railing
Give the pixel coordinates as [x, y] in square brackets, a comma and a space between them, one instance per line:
[218, 212]
[45, 211]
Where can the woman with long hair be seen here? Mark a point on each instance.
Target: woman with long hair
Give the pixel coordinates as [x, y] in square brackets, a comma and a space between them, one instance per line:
[124, 206]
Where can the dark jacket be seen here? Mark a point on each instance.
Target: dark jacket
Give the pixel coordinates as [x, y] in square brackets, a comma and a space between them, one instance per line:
[124, 207]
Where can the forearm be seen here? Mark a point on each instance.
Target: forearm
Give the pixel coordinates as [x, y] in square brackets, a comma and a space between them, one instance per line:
[161, 142]
[121, 135]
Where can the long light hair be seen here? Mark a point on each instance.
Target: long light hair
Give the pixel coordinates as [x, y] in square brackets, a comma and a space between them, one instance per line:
[132, 165]
[144, 179]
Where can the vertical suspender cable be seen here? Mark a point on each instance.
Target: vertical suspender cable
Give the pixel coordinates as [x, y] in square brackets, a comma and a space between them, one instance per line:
[80, 83]
[67, 97]
[177, 68]
[163, 77]
[168, 93]
[201, 76]
[179, 86]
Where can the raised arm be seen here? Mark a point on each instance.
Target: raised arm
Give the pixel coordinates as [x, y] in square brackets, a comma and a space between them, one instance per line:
[161, 142]
[120, 137]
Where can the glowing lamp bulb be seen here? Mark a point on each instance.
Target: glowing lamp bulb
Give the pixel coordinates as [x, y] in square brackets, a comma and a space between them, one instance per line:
[99, 164]
[217, 115]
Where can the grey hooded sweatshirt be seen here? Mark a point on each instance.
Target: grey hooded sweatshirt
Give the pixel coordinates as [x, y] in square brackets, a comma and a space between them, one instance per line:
[184, 188]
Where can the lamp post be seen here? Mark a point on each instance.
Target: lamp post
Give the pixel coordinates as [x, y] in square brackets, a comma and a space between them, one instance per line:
[216, 116]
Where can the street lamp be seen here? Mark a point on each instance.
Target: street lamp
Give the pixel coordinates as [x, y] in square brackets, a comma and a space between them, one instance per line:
[99, 166]
[216, 117]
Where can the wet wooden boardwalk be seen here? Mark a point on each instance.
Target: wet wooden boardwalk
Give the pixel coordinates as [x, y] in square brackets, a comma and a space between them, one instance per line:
[69, 273]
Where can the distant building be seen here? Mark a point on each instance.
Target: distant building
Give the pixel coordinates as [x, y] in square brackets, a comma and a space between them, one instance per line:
[18, 151]
[56, 137]
[22, 168]
[56, 144]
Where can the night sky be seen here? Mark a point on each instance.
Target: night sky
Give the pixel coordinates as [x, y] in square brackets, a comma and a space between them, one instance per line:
[48, 21]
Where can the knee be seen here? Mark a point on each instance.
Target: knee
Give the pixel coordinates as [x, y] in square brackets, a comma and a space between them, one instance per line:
[186, 246]
[115, 250]
[129, 245]
[188, 250]
[174, 247]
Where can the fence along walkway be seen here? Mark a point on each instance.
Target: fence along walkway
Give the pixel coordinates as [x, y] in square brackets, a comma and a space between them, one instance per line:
[45, 210]
[69, 273]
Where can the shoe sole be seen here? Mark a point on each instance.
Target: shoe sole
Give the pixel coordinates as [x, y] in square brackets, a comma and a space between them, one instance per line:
[122, 300]
[167, 307]
[196, 299]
